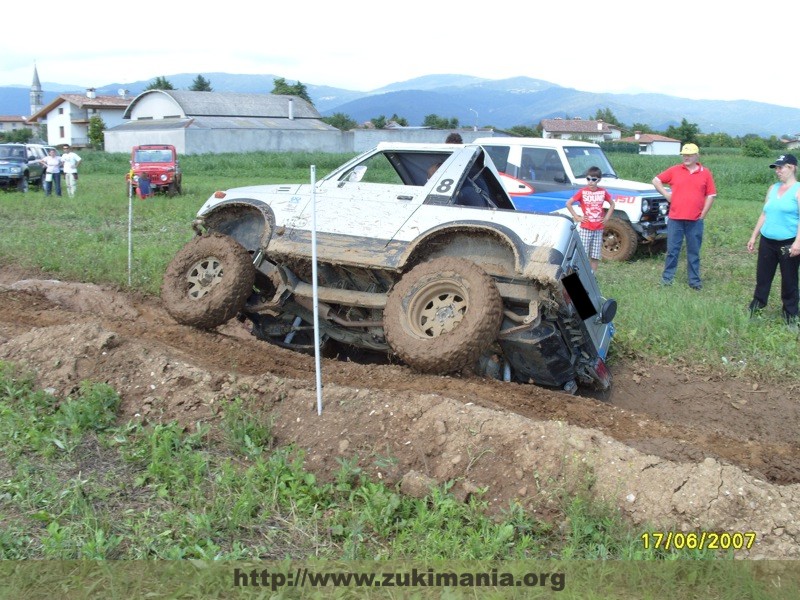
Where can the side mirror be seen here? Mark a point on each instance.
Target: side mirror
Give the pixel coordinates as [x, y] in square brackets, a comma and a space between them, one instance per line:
[357, 174]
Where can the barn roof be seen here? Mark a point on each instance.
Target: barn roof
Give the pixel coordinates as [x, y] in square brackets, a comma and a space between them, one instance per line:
[225, 104]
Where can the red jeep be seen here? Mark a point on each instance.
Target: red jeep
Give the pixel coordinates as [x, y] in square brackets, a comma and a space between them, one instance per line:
[158, 164]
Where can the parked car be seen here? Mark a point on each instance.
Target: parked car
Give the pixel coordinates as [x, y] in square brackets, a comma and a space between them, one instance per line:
[420, 254]
[542, 174]
[159, 165]
[20, 166]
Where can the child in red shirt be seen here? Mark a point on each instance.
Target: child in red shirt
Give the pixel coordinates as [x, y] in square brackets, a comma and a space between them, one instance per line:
[592, 200]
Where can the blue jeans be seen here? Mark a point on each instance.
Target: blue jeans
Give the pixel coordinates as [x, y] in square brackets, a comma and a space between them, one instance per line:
[677, 229]
[48, 185]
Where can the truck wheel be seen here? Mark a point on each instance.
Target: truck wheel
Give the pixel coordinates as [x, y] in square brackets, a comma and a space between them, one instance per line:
[22, 184]
[172, 190]
[442, 315]
[619, 240]
[208, 281]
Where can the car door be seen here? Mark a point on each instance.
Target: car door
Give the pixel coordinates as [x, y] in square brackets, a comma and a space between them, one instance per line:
[359, 211]
[35, 167]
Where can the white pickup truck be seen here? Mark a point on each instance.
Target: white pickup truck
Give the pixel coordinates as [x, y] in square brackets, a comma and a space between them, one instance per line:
[542, 174]
[420, 254]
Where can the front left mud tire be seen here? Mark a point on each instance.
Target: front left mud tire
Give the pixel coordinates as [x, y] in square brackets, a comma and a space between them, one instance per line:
[208, 281]
[442, 315]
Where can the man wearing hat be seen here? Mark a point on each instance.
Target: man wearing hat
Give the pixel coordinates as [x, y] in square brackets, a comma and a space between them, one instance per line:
[689, 188]
[70, 162]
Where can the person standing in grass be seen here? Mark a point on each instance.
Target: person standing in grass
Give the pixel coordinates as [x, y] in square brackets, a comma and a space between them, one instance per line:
[592, 200]
[52, 175]
[779, 245]
[70, 161]
[690, 195]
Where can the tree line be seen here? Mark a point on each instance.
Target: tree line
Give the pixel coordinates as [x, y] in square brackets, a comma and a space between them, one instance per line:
[751, 144]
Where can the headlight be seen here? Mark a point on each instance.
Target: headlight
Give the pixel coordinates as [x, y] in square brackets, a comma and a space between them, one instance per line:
[163, 177]
[663, 207]
[645, 206]
[16, 170]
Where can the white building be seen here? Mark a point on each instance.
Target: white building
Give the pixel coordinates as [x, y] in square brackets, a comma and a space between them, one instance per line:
[215, 122]
[654, 144]
[67, 117]
[588, 130]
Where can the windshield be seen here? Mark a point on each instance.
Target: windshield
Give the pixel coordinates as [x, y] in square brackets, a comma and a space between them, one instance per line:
[12, 152]
[152, 156]
[580, 158]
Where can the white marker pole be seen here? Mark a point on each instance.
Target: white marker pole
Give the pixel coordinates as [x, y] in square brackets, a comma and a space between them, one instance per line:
[130, 228]
[314, 293]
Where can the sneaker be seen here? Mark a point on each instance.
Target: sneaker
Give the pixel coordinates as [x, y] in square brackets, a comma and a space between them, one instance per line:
[666, 282]
[697, 287]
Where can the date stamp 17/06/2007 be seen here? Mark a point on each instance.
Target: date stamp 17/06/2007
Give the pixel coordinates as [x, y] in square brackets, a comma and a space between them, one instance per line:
[698, 540]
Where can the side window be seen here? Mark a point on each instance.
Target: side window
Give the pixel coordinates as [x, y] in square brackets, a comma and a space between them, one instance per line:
[540, 164]
[499, 156]
[376, 169]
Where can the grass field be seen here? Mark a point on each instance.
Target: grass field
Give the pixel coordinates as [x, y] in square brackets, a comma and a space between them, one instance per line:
[87, 239]
[167, 494]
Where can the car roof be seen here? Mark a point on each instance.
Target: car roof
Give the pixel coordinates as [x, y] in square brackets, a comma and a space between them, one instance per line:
[528, 141]
[418, 146]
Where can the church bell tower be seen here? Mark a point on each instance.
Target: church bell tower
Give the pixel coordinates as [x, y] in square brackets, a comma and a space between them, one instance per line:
[37, 96]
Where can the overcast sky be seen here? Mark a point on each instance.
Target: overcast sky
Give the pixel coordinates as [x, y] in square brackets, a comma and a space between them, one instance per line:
[702, 50]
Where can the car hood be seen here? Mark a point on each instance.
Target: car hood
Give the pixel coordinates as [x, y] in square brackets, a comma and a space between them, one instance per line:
[263, 193]
[624, 186]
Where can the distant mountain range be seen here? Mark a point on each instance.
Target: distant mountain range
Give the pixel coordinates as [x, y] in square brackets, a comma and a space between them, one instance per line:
[500, 103]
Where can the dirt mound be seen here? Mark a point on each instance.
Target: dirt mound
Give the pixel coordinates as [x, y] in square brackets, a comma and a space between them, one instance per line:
[673, 448]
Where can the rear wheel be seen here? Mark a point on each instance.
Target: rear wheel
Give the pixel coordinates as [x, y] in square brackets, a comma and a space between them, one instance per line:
[442, 315]
[619, 240]
[208, 281]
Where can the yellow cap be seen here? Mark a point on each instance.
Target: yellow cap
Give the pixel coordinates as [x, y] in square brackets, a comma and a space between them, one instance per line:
[690, 149]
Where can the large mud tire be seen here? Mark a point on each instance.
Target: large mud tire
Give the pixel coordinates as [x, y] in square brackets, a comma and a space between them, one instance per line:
[619, 240]
[208, 281]
[442, 315]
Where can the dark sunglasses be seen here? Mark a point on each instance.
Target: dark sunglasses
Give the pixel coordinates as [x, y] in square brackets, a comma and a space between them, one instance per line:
[592, 179]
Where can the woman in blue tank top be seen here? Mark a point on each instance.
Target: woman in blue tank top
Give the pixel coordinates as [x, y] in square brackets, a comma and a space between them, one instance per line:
[779, 246]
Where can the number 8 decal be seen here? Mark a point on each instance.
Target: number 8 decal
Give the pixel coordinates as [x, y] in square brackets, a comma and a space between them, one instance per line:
[444, 186]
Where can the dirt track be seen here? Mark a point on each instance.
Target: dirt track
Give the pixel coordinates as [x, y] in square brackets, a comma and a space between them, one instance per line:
[673, 447]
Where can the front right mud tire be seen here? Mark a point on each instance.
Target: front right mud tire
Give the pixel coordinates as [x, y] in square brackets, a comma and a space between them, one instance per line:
[619, 240]
[208, 281]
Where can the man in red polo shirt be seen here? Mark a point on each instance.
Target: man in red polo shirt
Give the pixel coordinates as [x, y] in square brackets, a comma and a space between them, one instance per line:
[689, 188]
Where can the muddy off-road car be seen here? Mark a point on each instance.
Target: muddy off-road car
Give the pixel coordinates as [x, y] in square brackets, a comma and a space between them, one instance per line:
[420, 255]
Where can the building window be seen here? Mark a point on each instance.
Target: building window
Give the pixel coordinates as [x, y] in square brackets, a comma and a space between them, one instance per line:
[61, 132]
[61, 110]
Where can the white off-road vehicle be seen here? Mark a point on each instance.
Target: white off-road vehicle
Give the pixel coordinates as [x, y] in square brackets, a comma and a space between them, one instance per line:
[542, 174]
[420, 254]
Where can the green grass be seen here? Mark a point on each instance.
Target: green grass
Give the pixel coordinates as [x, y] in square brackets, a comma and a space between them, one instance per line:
[77, 487]
[711, 328]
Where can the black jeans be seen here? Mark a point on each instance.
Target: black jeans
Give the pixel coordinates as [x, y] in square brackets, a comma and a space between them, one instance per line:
[771, 255]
